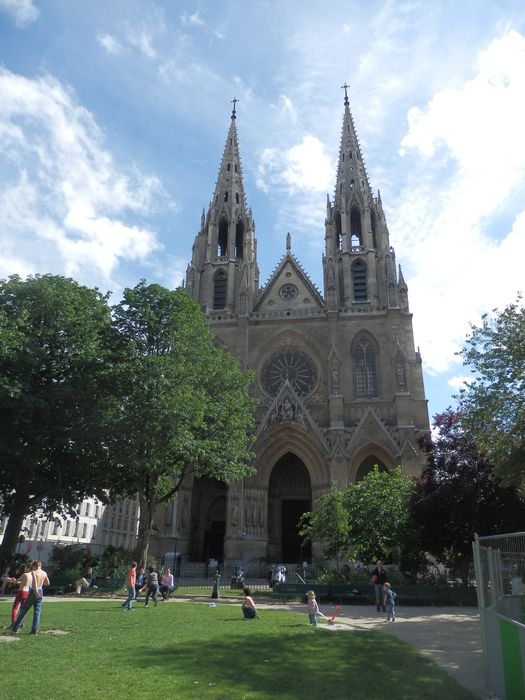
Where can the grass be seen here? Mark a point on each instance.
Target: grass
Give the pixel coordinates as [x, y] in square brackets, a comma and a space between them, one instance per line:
[188, 650]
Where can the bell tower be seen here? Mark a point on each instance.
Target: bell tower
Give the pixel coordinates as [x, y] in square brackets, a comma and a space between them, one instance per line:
[359, 265]
[223, 276]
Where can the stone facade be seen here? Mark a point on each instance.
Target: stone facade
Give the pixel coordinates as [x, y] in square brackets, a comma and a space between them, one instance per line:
[338, 377]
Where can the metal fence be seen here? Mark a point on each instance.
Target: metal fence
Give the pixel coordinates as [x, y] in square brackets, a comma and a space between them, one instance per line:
[499, 562]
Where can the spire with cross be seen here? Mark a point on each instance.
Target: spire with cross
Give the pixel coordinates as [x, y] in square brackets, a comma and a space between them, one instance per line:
[234, 114]
[345, 88]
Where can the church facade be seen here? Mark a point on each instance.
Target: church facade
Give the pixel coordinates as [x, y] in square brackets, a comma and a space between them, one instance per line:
[337, 374]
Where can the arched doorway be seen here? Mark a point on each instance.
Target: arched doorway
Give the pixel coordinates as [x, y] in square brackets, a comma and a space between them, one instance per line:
[367, 466]
[208, 519]
[289, 496]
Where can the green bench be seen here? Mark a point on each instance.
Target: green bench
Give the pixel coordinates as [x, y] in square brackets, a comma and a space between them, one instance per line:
[347, 592]
[360, 593]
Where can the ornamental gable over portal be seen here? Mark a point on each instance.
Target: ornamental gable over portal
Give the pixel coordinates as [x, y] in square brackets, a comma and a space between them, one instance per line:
[338, 377]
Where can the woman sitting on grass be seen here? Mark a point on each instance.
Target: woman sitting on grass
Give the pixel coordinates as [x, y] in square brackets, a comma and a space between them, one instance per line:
[249, 611]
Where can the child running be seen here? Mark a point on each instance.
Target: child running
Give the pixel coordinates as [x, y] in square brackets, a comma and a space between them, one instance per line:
[313, 608]
[389, 602]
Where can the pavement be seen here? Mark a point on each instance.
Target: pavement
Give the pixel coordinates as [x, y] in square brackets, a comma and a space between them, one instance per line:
[449, 636]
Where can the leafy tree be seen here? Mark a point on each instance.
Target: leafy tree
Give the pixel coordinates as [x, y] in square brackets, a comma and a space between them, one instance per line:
[115, 559]
[55, 362]
[493, 406]
[368, 518]
[378, 512]
[330, 525]
[186, 409]
[71, 557]
[458, 495]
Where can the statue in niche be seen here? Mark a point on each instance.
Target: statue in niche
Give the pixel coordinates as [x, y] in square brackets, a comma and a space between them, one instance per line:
[261, 512]
[235, 510]
[184, 513]
[336, 389]
[401, 378]
[247, 512]
[254, 512]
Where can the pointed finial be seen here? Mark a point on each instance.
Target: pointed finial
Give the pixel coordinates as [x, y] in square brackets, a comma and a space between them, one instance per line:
[234, 114]
[345, 88]
[288, 242]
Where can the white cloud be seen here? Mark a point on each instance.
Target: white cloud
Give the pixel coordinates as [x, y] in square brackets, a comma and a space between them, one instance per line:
[193, 19]
[304, 167]
[110, 43]
[65, 202]
[141, 37]
[459, 382]
[465, 183]
[22, 11]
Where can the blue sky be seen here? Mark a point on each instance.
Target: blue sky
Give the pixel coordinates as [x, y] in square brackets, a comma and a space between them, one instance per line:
[113, 117]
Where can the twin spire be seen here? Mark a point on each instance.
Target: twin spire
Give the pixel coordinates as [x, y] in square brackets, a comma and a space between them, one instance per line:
[351, 173]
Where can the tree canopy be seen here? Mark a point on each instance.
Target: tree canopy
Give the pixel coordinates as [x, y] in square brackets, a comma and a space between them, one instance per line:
[493, 405]
[458, 495]
[367, 518]
[186, 407]
[55, 397]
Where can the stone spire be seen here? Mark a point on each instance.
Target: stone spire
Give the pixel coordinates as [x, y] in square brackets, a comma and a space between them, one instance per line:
[229, 189]
[351, 173]
[223, 276]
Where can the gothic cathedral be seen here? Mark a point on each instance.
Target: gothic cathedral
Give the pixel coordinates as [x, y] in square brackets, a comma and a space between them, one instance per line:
[338, 378]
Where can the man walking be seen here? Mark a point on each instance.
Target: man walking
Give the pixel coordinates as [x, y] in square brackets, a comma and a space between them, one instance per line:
[130, 583]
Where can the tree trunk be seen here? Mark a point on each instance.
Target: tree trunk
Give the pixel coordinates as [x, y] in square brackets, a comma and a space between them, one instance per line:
[147, 509]
[15, 515]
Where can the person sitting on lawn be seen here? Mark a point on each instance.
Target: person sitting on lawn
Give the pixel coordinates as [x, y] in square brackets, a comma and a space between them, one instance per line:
[87, 581]
[168, 584]
[249, 611]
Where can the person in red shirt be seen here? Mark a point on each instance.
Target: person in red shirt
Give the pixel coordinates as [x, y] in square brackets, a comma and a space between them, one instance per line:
[130, 583]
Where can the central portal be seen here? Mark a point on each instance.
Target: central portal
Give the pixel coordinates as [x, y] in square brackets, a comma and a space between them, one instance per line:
[289, 496]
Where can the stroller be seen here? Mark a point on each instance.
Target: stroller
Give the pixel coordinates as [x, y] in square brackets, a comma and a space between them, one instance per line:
[237, 578]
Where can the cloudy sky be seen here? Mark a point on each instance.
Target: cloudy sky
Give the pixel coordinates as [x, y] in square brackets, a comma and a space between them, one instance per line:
[113, 117]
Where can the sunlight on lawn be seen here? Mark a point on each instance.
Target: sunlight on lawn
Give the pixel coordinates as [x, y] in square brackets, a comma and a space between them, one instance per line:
[189, 650]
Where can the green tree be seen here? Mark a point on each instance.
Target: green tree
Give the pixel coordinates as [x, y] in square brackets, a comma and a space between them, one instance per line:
[369, 518]
[55, 363]
[492, 405]
[458, 495]
[186, 408]
[378, 512]
[330, 525]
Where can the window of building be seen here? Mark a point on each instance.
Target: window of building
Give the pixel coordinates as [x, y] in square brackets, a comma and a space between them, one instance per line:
[220, 280]
[223, 238]
[239, 239]
[355, 226]
[338, 230]
[359, 281]
[226, 196]
[365, 369]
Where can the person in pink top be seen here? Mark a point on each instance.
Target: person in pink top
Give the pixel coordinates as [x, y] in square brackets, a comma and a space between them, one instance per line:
[130, 583]
[168, 584]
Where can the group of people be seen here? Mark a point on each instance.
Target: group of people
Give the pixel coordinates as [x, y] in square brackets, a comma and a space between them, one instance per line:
[30, 585]
[147, 582]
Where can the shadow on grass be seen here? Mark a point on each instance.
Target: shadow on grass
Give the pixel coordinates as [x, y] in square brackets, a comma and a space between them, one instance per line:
[306, 664]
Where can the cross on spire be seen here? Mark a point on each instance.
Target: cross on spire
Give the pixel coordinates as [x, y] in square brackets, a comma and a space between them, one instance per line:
[345, 87]
[234, 115]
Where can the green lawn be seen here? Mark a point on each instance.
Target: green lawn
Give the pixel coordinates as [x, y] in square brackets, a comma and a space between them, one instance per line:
[188, 650]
